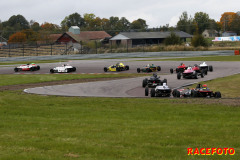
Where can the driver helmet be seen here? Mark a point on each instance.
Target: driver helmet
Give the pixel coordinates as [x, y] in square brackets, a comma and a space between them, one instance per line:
[204, 86]
[181, 64]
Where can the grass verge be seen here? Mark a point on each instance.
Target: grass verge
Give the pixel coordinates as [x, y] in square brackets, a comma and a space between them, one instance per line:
[50, 127]
[228, 86]
[26, 79]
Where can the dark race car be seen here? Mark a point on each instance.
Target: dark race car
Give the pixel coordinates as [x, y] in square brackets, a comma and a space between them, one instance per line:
[199, 91]
[160, 91]
[149, 68]
[153, 81]
[181, 68]
[27, 67]
[191, 72]
[204, 91]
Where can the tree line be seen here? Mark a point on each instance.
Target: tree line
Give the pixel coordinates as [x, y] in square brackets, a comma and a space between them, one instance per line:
[18, 29]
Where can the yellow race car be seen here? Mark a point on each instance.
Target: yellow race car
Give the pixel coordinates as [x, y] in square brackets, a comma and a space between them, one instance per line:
[116, 68]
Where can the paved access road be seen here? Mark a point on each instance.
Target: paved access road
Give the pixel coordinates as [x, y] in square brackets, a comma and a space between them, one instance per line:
[128, 87]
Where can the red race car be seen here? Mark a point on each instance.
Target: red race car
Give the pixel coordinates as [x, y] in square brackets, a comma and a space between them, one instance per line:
[191, 72]
[27, 67]
[181, 68]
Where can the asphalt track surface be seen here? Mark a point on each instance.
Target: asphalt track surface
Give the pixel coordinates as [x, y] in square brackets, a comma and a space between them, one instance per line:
[131, 87]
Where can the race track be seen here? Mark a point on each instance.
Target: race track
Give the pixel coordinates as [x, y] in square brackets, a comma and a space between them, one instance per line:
[125, 87]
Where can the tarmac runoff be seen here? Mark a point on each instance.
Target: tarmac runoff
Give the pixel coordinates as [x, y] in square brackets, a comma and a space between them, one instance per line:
[131, 87]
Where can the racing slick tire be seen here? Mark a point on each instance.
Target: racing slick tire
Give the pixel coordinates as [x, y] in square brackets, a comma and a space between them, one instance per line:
[144, 83]
[118, 69]
[146, 91]
[206, 71]
[127, 67]
[178, 94]
[194, 93]
[195, 75]
[158, 68]
[210, 68]
[16, 69]
[105, 69]
[32, 69]
[74, 69]
[179, 75]
[202, 74]
[174, 92]
[38, 67]
[153, 92]
[171, 70]
[218, 95]
[51, 71]
[138, 70]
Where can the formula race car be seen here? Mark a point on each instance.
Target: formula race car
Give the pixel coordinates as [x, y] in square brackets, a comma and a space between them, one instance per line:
[149, 68]
[206, 67]
[191, 72]
[116, 68]
[160, 91]
[181, 68]
[65, 68]
[199, 91]
[153, 81]
[204, 91]
[27, 67]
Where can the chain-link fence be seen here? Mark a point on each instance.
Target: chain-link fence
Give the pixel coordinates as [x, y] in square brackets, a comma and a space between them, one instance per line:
[91, 47]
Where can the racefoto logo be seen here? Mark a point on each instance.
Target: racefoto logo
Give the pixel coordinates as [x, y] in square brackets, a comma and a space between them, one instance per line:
[210, 151]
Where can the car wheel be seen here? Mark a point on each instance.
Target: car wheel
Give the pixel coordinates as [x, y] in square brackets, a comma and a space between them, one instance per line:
[138, 70]
[195, 75]
[16, 69]
[171, 70]
[74, 69]
[144, 83]
[153, 92]
[179, 75]
[118, 69]
[32, 69]
[174, 92]
[210, 68]
[206, 71]
[158, 68]
[105, 69]
[146, 91]
[194, 93]
[51, 71]
[202, 74]
[127, 67]
[218, 95]
[38, 67]
[178, 94]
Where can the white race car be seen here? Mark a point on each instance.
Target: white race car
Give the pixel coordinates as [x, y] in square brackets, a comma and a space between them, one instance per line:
[160, 91]
[206, 67]
[27, 67]
[63, 69]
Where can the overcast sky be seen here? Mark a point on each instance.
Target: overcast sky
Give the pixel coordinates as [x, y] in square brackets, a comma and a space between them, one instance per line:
[155, 12]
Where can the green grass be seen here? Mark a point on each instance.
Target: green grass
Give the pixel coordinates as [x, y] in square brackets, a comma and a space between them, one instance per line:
[203, 58]
[50, 127]
[228, 86]
[24, 79]
[62, 128]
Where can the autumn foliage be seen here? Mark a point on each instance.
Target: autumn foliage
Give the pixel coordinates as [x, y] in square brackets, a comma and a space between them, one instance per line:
[226, 20]
[18, 37]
